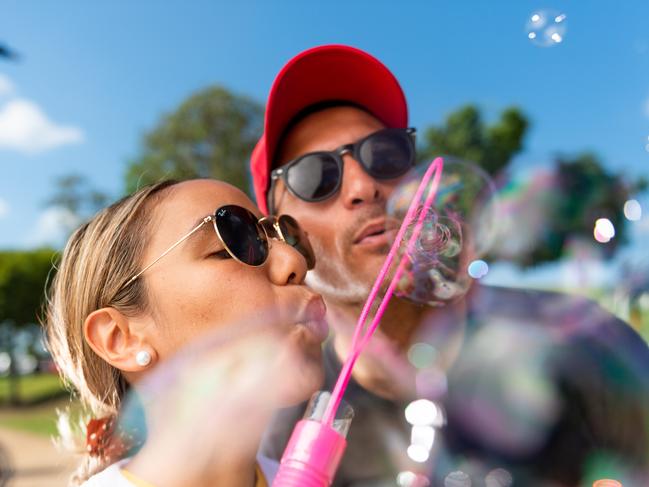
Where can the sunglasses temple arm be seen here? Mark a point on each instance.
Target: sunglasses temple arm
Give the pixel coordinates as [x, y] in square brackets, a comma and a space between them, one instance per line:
[358, 341]
[205, 220]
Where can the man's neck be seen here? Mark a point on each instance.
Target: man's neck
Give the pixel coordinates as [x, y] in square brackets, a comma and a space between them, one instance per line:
[383, 368]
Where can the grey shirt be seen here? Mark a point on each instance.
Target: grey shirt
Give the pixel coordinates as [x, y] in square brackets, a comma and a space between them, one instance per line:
[549, 388]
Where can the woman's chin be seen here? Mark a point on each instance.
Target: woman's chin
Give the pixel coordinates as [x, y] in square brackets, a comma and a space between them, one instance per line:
[301, 364]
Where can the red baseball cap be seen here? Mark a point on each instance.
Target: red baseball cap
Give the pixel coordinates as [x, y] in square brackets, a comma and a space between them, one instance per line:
[319, 74]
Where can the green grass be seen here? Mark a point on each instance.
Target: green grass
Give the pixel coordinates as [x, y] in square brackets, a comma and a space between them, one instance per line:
[39, 396]
[40, 419]
[33, 388]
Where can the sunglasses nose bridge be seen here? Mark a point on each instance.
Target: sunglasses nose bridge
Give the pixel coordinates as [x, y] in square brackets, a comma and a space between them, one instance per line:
[345, 149]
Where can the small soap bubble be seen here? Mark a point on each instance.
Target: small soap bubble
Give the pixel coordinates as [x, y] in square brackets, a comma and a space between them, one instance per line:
[422, 412]
[604, 230]
[422, 355]
[478, 269]
[546, 28]
[499, 477]
[464, 212]
[607, 483]
[632, 210]
[412, 479]
[457, 479]
[418, 453]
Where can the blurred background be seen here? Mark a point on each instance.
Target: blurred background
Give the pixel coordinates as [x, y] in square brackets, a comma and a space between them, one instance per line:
[551, 98]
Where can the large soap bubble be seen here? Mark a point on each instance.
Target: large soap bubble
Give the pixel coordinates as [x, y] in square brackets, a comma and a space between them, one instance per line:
[209, 403]
[457, 229]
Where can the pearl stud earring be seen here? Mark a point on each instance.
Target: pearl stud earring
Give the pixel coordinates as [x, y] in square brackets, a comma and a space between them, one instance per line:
[143, 358]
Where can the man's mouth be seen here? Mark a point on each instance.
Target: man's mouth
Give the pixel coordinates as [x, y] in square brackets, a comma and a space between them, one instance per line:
[376, 234]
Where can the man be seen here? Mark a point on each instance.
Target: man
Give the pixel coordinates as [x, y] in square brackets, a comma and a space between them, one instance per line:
[484, 385]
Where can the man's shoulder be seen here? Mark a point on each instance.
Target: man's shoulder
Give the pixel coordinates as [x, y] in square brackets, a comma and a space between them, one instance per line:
[572, 314]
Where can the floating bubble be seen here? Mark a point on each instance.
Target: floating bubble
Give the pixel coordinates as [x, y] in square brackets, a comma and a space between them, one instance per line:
[632, 210]
[422, 355]
[606, 483]
[546, 28]
[457, 479]
[432, 383]
[604, 230]
[499, 477]
[478, 269]
[411, 479]
[423, 435]
[418, 453]
[422, 412]
[459, 227]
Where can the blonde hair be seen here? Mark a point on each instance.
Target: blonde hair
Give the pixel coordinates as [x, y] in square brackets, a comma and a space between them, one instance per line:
[97, 261]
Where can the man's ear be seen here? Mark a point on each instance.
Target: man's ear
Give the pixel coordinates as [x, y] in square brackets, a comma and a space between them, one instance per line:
[111, 335]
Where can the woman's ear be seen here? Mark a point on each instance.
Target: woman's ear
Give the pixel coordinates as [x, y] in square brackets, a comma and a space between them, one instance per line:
[113, 337]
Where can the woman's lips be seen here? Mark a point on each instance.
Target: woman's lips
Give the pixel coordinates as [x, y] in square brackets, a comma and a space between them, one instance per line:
[313, 318]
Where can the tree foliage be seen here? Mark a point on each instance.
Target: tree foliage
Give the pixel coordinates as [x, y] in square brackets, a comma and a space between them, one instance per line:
[465, 135]
[584, 192]
[23, 275]
[211, 135]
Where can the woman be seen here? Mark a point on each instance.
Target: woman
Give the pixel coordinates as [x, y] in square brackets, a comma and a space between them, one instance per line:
[154, 272]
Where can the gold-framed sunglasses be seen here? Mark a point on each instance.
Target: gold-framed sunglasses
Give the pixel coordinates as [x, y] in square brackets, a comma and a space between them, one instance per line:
[247, 239]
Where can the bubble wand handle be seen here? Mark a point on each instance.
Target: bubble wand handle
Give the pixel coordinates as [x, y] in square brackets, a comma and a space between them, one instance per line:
[359, 341]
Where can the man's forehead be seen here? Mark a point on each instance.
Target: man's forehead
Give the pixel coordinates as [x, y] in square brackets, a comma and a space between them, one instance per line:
[326, 129]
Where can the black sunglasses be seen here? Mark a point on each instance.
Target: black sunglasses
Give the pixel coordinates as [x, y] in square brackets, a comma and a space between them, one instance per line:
[246, 239]
[316, 176]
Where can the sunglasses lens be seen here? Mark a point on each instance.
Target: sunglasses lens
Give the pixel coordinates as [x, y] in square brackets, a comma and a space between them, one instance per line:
[241, 234]
[297, 238]
[387, 154]
[314, 177]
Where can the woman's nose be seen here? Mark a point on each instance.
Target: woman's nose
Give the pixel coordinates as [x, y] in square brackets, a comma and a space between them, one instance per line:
[285, 264]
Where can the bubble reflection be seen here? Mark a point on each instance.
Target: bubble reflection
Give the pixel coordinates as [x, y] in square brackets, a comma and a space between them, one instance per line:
[546, 28]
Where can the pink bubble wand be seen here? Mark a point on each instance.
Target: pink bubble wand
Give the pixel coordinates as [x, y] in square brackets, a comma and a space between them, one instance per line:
[315, 448]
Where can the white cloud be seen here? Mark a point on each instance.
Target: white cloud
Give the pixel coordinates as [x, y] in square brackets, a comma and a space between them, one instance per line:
[6, 86]
[4, 208]
[646, 107]
[53, 227]
[25, 128]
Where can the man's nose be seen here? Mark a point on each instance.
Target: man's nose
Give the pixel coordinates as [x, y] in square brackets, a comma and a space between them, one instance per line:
[358, 187]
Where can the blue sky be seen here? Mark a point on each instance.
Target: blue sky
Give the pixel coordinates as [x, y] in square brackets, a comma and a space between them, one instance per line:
[94, 76]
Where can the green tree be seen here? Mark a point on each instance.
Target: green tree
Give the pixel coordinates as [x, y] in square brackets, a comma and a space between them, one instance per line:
[584, 192]
[23, 277]
[210, 135]
[465, 135]
[74, 193]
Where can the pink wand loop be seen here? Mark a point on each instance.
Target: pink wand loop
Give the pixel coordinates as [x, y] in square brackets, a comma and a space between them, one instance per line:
[433, 172]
